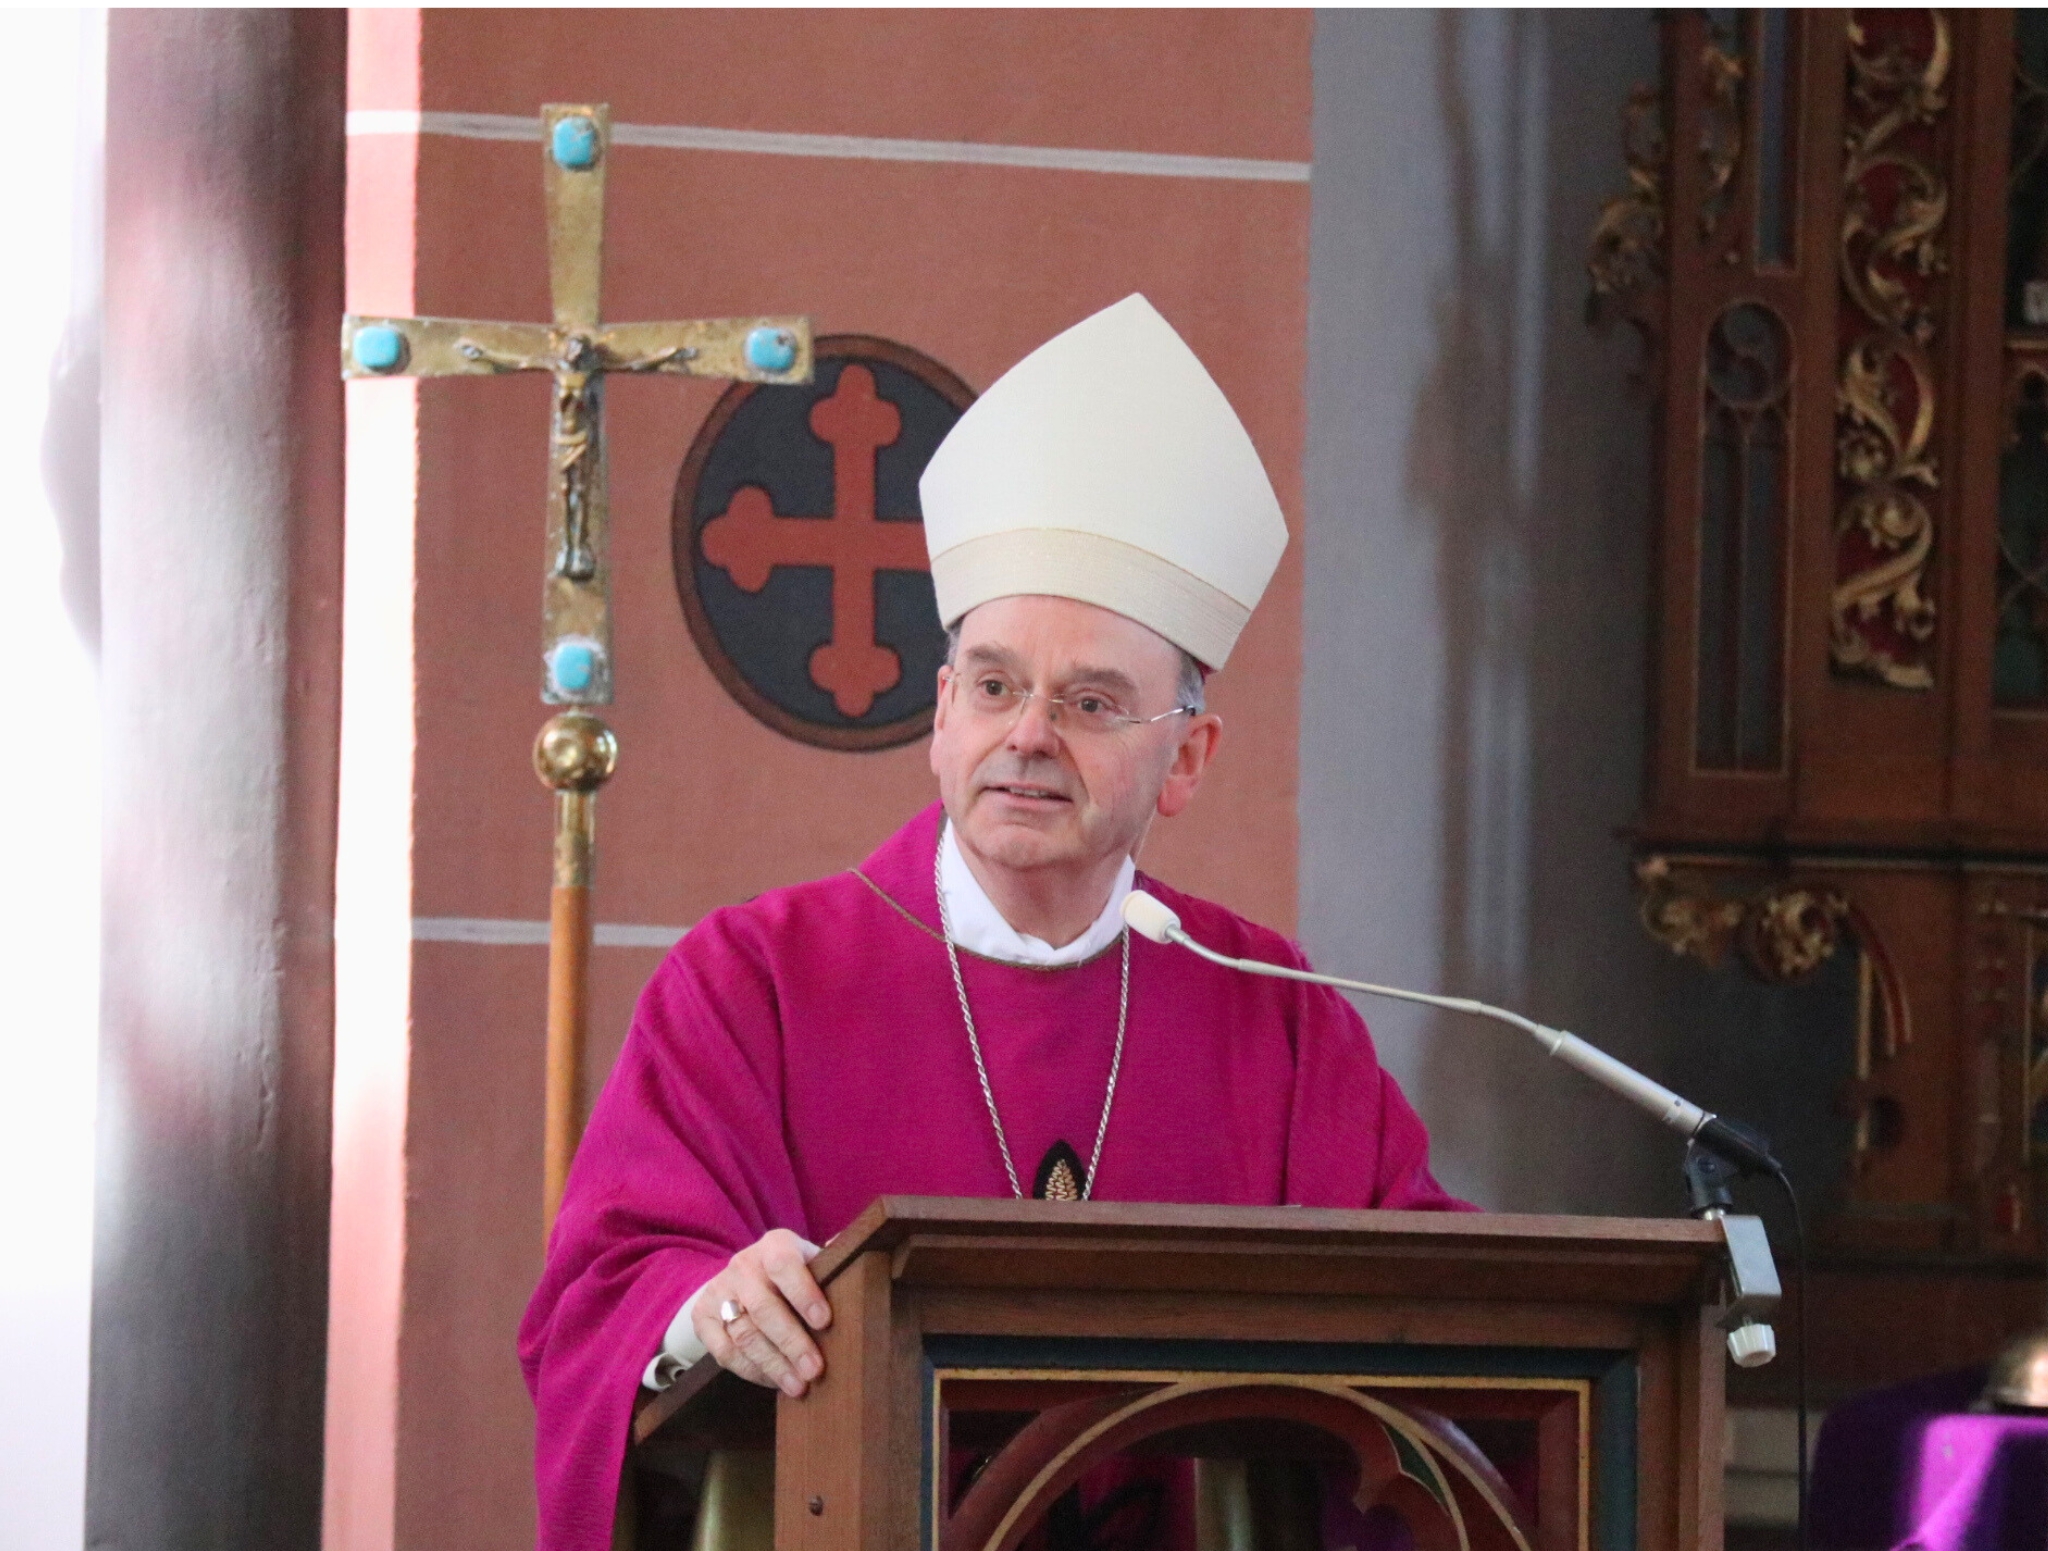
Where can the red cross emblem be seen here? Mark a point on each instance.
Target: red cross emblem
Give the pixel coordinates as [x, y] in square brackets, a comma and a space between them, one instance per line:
[749, 540]
[799, 548]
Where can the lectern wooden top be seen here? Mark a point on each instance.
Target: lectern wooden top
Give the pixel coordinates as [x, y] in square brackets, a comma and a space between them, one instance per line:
[1105, 1245]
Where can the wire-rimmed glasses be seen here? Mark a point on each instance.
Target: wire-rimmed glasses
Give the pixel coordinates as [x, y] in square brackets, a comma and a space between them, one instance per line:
[995, 698]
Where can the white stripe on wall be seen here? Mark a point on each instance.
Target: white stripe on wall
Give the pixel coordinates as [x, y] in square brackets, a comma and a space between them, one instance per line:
[530, 934]
[615, 936]
[758, 142]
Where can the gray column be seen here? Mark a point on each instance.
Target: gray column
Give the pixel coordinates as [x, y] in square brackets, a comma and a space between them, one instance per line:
[1474, 627]
[221, 565]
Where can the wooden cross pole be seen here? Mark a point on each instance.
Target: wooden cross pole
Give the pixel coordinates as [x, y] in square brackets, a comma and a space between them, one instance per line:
[576, 751]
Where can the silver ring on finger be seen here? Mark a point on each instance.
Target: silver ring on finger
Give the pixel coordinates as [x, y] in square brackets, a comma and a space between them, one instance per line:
[729, 1311]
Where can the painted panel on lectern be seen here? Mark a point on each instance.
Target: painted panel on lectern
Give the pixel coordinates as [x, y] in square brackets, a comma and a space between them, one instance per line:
[1096, 1442]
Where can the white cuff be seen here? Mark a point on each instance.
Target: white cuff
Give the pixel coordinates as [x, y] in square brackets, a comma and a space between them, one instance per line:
[682, 1347]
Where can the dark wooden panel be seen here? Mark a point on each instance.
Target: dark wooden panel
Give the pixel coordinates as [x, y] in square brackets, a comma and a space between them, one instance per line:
[835, 1446]
[1226, 1317]
[1875, 1325]
[1657, 1447]
[1701, 1428]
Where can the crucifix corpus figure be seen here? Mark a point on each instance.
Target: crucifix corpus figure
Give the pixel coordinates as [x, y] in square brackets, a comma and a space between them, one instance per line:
[576, 752]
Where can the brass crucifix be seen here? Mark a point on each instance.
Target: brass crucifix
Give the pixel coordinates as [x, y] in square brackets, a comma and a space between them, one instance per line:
[576, 751]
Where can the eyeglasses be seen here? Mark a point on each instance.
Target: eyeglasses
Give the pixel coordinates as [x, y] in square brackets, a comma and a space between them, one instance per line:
[995, 698]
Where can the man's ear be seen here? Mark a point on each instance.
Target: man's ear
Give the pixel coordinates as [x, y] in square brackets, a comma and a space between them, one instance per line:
[939, 709]
[1198, 745]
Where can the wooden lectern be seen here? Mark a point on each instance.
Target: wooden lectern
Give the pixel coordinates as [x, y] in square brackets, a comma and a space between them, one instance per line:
[1519, 1383]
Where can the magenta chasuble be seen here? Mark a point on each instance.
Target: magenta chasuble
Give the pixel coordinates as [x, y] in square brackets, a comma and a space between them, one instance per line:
[797, 1056]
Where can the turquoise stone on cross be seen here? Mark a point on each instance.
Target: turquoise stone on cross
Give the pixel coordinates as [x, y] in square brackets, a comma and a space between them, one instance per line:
[379, 348]
[572, 666]
[574, 144]
[771, 350]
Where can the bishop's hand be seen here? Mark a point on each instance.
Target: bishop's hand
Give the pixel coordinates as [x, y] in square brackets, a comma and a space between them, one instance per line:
[776, 1305]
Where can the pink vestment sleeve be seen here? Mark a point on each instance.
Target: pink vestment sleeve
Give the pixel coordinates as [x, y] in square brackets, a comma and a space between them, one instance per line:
[684, 1162]
[1353, 1139]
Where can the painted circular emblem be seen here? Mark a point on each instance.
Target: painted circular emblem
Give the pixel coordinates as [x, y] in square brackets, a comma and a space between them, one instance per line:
[799, 544]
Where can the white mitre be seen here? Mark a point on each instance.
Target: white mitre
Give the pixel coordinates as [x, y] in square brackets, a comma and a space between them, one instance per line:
[1108, 467]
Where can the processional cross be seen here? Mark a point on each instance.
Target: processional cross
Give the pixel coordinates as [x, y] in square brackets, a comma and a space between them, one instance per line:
[576, 752]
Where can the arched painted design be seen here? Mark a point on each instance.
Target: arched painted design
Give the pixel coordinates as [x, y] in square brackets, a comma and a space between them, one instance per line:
[1409, 1460]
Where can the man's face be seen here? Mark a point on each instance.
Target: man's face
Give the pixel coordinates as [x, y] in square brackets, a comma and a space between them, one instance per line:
[1033, 787]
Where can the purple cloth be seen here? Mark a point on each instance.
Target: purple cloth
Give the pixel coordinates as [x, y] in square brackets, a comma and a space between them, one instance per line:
[1980, 1483]
[1911, 1468]
[797, 1056]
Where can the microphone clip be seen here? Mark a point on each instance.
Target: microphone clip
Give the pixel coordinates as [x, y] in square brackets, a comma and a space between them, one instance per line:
[1708, 1181]
[1712, 1165]
[1744, 1150]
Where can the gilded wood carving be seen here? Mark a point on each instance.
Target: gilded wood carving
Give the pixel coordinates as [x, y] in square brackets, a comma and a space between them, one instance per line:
[1722, 68]
[1625, 255]
[1784, 931]
[1895, 207]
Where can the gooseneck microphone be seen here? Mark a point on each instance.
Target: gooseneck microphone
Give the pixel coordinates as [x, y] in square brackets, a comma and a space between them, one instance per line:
[1753, 1284]
[1148, 917]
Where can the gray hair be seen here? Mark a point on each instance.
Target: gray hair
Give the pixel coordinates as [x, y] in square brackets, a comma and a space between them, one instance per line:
[1190, 694]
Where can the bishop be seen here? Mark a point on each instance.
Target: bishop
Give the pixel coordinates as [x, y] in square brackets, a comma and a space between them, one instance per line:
[965, 1014]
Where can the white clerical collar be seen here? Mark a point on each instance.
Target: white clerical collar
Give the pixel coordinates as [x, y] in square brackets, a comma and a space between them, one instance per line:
[980, 928]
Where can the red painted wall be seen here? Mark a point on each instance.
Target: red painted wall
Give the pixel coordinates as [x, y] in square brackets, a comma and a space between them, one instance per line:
[973, 265]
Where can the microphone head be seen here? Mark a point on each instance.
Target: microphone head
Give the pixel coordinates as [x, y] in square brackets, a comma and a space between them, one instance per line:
[1148, 917]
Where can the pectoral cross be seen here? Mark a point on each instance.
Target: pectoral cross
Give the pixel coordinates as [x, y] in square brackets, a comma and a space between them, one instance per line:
[576, 751]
